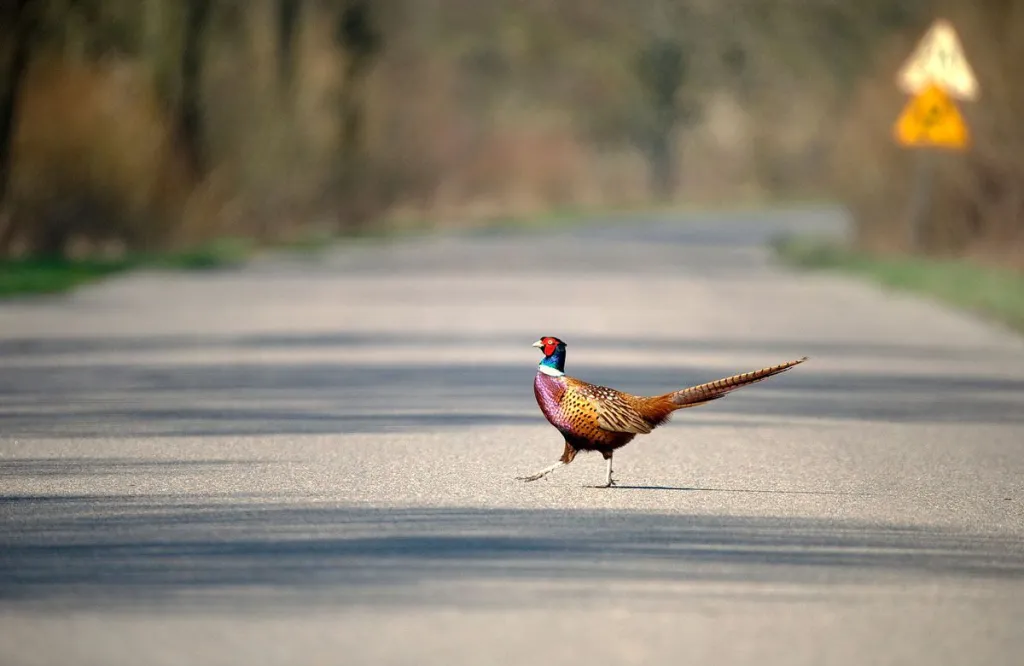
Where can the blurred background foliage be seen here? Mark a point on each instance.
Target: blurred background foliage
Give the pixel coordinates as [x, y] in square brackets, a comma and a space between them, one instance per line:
[145, 125]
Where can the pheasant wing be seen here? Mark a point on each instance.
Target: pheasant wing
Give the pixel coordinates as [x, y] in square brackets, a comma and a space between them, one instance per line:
[612, 409]
[617, 415]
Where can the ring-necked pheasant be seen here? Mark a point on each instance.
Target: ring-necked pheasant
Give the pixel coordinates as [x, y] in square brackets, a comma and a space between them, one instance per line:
[598, 418]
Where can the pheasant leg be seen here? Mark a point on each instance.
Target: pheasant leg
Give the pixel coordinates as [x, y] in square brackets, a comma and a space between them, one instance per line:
[609, 481]
[542, 473]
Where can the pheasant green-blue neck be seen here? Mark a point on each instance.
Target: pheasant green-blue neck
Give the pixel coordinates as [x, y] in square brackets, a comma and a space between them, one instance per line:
[555, 362]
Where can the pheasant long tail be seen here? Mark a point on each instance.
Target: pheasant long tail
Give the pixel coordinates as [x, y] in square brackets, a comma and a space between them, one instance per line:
[698, 395]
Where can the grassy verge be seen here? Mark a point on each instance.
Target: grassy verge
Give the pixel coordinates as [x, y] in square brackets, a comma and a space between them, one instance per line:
[24, 277]
[42, 276]
[993, 293]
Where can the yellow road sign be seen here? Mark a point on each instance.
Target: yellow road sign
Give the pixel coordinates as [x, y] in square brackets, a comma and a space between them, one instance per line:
[932, 119]
[939, 59]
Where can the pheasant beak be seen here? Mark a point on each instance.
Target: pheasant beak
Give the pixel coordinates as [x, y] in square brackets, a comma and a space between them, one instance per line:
[539, 344]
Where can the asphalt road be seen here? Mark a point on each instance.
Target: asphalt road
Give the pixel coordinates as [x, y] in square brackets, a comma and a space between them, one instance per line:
[313, 462]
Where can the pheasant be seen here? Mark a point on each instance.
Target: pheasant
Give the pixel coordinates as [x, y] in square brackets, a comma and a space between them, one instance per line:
[598, 418]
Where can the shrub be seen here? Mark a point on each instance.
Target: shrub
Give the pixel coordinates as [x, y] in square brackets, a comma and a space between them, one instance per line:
[93, 160]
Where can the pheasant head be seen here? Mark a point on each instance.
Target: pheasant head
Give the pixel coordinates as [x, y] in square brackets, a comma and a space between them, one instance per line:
[553, 362]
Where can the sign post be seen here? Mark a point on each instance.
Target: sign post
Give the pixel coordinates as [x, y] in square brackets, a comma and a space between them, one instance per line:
[936, 74]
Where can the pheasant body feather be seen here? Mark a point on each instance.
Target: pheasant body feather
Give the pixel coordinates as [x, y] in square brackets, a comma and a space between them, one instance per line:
[598, 418]
[578, 409]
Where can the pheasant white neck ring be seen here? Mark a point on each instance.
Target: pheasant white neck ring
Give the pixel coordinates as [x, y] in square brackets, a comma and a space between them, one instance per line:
[549, 371]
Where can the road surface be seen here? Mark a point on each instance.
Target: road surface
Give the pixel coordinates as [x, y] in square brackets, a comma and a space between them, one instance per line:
[312, 461]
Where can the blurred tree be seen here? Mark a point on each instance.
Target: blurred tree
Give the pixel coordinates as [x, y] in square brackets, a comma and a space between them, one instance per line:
[18, 22]
[361, 42]
[662, 68]
[289, 13]
[734, 57]
[189, 111]
[161, 30]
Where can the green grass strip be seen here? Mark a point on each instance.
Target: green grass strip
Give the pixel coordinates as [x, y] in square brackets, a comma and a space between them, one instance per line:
[36, 276]
[991, 292]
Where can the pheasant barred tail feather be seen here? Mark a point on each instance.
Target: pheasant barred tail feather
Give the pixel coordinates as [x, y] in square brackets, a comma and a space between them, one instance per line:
[698, 395]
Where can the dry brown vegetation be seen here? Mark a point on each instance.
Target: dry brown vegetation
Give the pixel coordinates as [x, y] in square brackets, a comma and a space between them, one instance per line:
[344, 114]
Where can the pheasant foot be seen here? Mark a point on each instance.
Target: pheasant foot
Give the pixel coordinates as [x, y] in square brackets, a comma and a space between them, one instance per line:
[609, 481]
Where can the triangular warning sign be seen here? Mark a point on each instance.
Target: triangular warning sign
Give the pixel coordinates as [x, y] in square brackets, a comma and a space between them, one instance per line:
[939, 59]
[932, 119]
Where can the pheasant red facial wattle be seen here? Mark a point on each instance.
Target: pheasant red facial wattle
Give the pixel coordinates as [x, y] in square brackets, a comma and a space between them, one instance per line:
[554, 353]
[598, 418]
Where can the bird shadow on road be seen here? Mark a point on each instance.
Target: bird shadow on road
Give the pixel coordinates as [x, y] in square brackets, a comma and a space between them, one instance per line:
[737, 490]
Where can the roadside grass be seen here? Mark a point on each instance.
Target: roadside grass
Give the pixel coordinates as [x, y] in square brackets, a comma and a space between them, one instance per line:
[48, 276]
[995, 294]
[37, 276]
